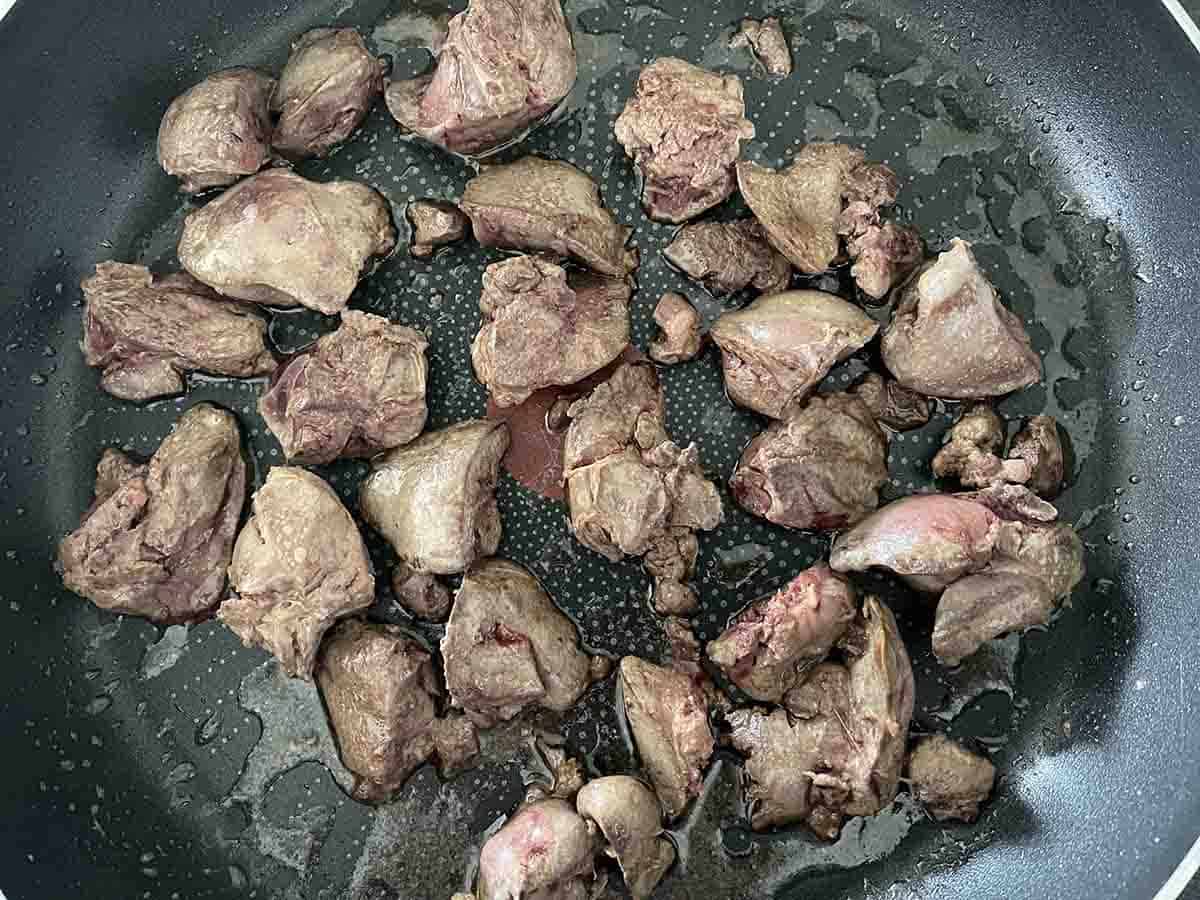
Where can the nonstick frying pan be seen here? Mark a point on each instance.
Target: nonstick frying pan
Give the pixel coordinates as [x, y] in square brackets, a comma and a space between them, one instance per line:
[1060, 135]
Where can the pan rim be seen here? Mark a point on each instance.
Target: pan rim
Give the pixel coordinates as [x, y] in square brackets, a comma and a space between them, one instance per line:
[1179, 880]
[1182, 18]
[1190, 863]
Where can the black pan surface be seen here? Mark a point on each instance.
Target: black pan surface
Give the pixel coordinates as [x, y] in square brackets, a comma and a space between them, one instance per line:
[1060, 136]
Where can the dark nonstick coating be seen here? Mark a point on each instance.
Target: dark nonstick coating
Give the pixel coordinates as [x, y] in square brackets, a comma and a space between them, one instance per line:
[1061, 136]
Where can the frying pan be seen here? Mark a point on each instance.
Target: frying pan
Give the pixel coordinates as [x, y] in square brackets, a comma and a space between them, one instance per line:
[1059, 135]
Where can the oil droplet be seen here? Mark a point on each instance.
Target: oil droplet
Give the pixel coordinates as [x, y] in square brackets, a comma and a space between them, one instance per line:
[181, 773]
[208, 730]
[98, 705]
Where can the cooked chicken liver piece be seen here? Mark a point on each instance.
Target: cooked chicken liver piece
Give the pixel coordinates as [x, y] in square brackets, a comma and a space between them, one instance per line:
[930, 540]
[325, 91]
[456, 744]
[948, 780]
[1039, 445]
[727, 257]
[881, 705]
[891, 403]
[1035, 564]
[435, 223]
[971, 451]
[983, 606]
[1013, 503]
[298, 566]
[507, 646]
[561, 774]
[950, 336]
[604, 422]
[434, 500]
[542, 329]
[820, 468]
[776, 350]
[783, 753]
[668, 719]
[217, 131]
[619, 506]
[501, 68]
[679, 323]
[670, 560]
[356, 392]
[771, 644]
[380, 690]
[548, 206]
[147, 334]
[628, 815]
[884, 255]
[282, 240]
[1052, 552]
[420, 594]
[158, 538]
[801, 207]
[630, 491]
[836, 750]
[768, 43]
[544, 852]
[684, 128]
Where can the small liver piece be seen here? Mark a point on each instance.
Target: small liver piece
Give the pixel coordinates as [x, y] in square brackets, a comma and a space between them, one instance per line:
[776, 351]
[668, 718]
[684, 128]
[298, 566]
[507, 646]
[544, 852]
[978, 608]
[802, 206]
[771, 644]
[768, 43]
[1040, 446]
[501, 67]
[543, 329]
[950, 781]
[629, 817]
[821, 468]
[147, 334]
[357, 392]
[891, 403]
[217, 131]
[545, 205]
[281, 240]
[951, 336]
[680, 338]
[930, 540]
[421, 594]
[380, 690]
[434, 500]
[325, 91]
[435, 224]
[630, 490]
[971, 448]
[157, 539]
[727, 257]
